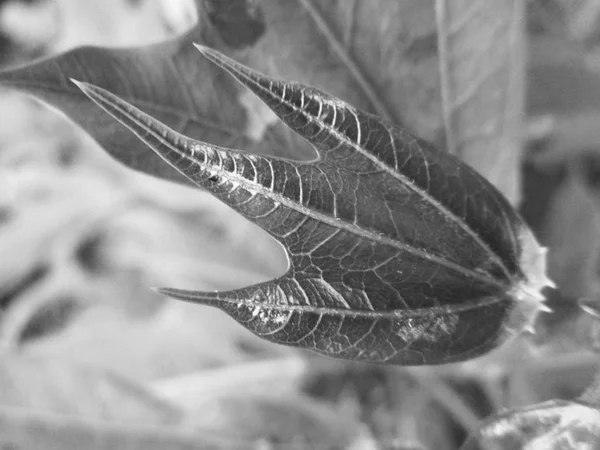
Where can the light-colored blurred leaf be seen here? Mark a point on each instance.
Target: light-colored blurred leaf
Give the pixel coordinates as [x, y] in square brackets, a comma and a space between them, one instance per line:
[482, 66]
[290, 421]
[53, 386]
[45, 403]
[30, 431]
[166, 233]
[552, 425]
[277, 377]
[180, 338]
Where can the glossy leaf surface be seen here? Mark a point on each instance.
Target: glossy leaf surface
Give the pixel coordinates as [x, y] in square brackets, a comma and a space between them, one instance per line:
[398, 253]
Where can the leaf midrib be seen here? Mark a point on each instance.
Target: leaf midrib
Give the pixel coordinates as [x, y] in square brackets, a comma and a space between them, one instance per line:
[401, 314]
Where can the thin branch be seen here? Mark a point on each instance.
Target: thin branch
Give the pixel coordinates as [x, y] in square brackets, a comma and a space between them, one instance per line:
[441, 16]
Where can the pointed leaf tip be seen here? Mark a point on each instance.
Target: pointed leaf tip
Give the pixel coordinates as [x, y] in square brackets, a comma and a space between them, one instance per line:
[201, 48]
[178, 294]
[185, 295]
[87, 88]
[207, 51]
[230, 65]
[162, 290]
[76, 83]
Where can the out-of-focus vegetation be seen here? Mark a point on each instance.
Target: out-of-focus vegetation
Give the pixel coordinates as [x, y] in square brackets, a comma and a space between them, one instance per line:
[88, 347]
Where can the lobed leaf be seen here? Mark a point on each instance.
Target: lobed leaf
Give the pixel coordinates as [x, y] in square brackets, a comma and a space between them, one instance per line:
[398, 253]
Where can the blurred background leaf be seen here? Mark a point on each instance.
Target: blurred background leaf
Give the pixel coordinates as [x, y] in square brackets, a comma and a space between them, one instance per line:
[482, 71]
[49, 404]
[553, 425]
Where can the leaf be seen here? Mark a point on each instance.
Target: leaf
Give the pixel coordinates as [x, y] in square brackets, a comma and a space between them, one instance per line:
[249, 423]
[398, 253]
[52, 386]
[82, 233]
[379, 56]
[556, 424]
[277, 377]
[45, 403]
[571, 228]
[32, 431]
[153, 67]
[292, 421]
[315, 40]
[482, 66]
[178, 339]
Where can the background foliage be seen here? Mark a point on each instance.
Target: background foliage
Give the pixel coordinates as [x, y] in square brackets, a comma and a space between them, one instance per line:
[90, 354]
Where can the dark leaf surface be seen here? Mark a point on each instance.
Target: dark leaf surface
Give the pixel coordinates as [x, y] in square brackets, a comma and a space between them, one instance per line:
[326, 43]
[142, 75]
[553, 425]
[398, 253]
